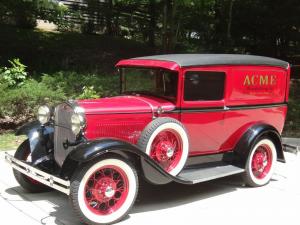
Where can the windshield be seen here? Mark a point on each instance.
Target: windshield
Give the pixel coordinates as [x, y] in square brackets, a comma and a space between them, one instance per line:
[155, 82]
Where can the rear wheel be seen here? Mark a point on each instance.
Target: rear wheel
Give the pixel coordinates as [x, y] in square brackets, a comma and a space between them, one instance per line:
[104, 191]
[261, 163]
[29, 184]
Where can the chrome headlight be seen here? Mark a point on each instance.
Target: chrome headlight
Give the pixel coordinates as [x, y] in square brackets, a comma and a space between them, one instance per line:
[77, 123]
[44, 114]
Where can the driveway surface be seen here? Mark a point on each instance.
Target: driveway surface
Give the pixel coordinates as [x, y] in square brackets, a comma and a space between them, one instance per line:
[222, 201]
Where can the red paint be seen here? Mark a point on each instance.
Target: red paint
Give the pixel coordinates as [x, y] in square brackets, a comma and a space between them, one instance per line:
[125, 104]
[268, 85]
[166, 149]
[262, 161]
[106, 190]
[148, 63]
[210, 131]
[122, 117]
[288, 77]
[127, 127]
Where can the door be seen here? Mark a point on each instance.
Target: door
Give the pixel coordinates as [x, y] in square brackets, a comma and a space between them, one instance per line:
[203, 109]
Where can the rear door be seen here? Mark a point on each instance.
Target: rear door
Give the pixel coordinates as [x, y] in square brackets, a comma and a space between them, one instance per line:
[202, 108]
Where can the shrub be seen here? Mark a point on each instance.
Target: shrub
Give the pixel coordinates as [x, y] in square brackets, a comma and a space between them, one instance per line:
[74, 84]
[88, 93]
[14, 75]
[21, 103]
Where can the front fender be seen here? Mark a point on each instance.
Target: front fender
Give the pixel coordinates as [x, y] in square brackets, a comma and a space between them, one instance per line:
[38, 136]
[250, 137]
[28, 128]
[97, 148]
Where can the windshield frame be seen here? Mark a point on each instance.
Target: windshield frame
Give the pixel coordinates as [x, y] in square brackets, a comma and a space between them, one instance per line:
[151, 94]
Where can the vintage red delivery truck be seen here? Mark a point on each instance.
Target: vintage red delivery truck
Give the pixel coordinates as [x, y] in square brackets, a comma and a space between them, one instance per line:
[186, 118]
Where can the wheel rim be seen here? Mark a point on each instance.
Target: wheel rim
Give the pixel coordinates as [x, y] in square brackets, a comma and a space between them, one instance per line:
[261, 161]
[166, 149]
[106, 190]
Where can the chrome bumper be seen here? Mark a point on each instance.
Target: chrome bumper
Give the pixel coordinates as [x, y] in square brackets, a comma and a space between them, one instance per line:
[291, 148]
[36, 174]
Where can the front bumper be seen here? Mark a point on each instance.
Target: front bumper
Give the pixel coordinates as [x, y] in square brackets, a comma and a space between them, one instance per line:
[36, 174]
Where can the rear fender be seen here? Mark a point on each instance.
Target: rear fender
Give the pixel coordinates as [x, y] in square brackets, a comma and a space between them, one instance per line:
[96, 149]
[39, 137]
[251, 136]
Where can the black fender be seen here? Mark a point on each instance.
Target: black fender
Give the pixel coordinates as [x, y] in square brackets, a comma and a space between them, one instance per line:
[40, 138]
[91, 150]
[28, 127]
[250, 137]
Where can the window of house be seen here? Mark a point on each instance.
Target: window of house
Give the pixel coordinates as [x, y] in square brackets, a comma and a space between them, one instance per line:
[204, 86]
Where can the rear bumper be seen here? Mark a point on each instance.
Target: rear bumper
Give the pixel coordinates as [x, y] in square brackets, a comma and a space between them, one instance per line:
[291, 148]
[36, 174]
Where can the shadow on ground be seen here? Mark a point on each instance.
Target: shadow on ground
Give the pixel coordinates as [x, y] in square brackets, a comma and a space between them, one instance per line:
[150, 197]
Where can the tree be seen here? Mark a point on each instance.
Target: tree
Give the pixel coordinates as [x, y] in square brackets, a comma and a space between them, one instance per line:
[24, 13]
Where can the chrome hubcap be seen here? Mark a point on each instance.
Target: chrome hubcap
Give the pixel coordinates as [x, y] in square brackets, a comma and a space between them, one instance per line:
[170, 152]
[109, 192]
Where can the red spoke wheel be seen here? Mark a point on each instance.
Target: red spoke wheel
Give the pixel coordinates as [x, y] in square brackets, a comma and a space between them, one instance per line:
[104, 191]
[28, 183]
[166, 149]
[261, 163]
[165, 140]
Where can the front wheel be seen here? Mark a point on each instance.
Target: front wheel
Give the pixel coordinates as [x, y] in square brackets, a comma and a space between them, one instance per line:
[261, 163]
[29, 184]
[104, 191]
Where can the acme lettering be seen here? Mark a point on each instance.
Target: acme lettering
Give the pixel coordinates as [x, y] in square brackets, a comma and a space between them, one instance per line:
[259, 80]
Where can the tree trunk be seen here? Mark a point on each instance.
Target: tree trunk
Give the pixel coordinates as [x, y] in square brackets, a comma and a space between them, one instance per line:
[109, 15]
[168, 31]
[230, 10]
[152, 24]
[165, 26]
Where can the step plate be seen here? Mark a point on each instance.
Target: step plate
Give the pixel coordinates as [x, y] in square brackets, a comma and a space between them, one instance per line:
[209, 171]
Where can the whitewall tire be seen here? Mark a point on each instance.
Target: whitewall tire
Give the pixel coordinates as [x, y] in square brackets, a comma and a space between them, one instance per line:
[261, 163]
[103, 192]
[166, 141]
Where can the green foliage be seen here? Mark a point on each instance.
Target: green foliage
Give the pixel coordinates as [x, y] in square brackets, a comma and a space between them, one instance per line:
[88, 93]
[24, 13]
[75, 85]
[9, 141]
[18, 103]
[22, 102]
[14, 75]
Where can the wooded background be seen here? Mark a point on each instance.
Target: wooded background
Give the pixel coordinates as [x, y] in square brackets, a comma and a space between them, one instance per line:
[77, 60]
[263, 27]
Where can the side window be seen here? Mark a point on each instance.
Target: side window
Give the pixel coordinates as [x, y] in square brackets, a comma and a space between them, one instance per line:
[204, 85]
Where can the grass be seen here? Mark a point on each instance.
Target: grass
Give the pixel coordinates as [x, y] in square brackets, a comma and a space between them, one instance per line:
[9, 141]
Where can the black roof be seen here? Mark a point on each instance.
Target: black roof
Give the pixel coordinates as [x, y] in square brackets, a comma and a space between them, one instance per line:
[185, 60]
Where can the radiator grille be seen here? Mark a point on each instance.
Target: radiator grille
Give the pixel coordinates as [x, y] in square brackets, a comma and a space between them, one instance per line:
[62, 132]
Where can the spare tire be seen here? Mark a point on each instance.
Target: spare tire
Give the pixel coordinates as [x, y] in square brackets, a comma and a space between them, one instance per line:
[166, 141]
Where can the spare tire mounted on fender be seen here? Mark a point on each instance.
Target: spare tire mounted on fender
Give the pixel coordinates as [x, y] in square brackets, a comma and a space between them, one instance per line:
[165, 140]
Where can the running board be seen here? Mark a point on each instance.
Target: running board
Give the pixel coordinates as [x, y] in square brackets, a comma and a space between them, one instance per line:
[38, 175]
[209, 171]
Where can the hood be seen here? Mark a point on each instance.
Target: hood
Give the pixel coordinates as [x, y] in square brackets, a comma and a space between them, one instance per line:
[125, 104]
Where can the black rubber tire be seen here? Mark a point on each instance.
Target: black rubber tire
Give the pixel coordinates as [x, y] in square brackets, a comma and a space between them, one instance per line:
[24, 181]
[152, 127]
[75, 185]
[249, 178]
